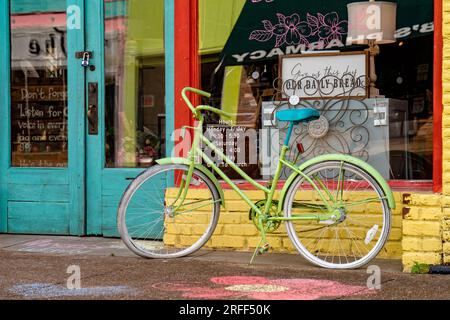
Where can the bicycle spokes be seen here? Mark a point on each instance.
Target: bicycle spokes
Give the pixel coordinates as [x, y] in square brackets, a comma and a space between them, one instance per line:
[349, 234]
[165, 216]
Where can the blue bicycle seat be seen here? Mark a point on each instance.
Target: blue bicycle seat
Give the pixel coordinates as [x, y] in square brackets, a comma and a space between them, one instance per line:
[298, 115]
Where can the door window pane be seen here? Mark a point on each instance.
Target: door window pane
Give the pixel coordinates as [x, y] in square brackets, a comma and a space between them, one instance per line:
[38, 83]
[134, 79]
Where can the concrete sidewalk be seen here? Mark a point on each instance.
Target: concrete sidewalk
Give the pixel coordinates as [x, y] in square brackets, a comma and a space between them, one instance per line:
[95, 246]
[39, 267]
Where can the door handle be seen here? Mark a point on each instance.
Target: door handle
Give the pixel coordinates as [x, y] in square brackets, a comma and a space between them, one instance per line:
[92, 116]
[92, 112]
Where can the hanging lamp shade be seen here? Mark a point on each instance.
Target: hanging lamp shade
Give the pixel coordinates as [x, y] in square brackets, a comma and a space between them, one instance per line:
[371, 20]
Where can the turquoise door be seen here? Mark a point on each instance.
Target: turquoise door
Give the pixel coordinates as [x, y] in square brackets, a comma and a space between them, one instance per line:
[127, 41]
[42, 151]
[75, 136]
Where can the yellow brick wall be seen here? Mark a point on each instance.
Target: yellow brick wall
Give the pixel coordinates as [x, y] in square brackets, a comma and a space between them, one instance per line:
[422, 230]
[446, 236]
[236, 232]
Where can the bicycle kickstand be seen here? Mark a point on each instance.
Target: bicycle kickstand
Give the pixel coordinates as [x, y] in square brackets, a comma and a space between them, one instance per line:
[263, 246]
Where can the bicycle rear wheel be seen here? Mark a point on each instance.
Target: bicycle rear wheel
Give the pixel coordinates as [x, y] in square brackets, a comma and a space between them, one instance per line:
[156, 219]
[360, 223]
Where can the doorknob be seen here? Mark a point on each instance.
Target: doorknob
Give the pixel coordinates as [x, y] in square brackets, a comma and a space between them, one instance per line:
[92, 112]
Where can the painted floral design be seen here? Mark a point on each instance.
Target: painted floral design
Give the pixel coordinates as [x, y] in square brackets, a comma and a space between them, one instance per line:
[291, 30]
[330, 28]
[262, 288]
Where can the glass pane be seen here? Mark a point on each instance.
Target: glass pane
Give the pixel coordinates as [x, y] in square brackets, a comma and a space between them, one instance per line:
[134, 75]
[38, 83]
[240, 54]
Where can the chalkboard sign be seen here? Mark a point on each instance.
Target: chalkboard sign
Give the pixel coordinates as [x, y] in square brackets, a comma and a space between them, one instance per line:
[239, 143]
[39, 93]
[39, 126]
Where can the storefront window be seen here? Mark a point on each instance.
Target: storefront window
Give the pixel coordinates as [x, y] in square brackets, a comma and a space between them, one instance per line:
[240, 56]
[38, 84]
[134, 79]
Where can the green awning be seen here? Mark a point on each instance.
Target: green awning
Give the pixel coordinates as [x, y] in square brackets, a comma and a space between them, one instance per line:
[260, 34]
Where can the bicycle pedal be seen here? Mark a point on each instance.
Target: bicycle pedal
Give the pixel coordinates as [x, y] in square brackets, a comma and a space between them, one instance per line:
[264, 249]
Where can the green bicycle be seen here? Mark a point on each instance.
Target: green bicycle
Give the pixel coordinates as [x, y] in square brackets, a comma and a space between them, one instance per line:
[336, 208]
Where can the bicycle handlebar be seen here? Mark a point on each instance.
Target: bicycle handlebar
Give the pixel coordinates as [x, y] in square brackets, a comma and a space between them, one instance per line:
[195, 110]
[194, 90]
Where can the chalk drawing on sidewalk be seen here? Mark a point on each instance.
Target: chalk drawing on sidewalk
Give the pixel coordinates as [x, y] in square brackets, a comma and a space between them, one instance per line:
[262, 288]
[47, 290]
[58, 247]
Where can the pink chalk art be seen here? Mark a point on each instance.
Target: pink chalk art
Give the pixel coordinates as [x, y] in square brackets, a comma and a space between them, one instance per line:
[262, 288]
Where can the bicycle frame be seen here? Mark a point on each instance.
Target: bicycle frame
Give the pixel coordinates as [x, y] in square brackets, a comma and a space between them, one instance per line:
[329, 211]
[197, 151]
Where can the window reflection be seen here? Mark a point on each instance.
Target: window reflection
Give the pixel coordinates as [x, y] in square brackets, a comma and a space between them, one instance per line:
[134, 80]
[240, 71]
[38, 85]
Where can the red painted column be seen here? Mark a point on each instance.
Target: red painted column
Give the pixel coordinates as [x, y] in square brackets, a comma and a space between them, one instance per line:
[437, 97]
[187, 66]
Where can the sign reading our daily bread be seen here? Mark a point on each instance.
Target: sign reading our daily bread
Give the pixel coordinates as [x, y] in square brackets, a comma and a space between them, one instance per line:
[325, 76]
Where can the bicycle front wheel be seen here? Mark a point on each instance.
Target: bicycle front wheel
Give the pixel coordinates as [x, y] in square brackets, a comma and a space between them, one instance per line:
[357, 211]
[161, 216]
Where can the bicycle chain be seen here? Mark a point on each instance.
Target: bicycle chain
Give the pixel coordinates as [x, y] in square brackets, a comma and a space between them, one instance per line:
[269, 226]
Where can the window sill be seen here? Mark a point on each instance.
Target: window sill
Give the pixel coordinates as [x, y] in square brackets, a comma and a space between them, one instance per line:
[425, 186]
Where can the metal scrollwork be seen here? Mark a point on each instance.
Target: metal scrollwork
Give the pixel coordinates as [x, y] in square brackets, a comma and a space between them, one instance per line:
[342, 125]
